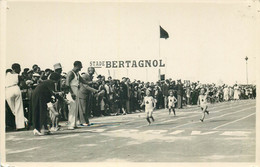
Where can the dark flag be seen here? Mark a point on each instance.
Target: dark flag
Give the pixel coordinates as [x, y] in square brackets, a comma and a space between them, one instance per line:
[162, 77]
[163, 33]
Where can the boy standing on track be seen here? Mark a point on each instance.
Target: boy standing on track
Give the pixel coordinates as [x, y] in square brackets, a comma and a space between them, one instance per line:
[171, 103]
[202, 102]
[150, 104]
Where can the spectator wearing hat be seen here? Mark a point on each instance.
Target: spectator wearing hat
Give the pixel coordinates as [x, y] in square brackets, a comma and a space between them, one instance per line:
[35, 79]
[61, 104]
[35, 68]
[45, 74]
[41, 103]
[57, 68]
[99, 77]
[25, 74]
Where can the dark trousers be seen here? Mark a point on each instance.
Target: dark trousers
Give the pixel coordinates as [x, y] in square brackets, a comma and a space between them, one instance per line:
[179, 98]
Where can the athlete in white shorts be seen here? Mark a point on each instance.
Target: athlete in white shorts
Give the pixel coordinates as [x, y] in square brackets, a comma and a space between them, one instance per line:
[150, 104]
[171, 103]
[202, 102]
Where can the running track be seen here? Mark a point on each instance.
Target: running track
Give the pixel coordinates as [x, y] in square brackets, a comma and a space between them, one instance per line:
[226, 135]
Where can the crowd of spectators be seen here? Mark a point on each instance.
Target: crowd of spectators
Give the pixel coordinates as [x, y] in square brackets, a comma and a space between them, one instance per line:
[120, 97]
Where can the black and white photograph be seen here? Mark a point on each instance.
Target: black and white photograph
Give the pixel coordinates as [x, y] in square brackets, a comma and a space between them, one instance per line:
[138, 83]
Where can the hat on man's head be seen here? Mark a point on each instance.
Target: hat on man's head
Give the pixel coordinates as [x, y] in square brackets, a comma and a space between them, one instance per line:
[29, 82]
[55, 76]
[35, 66]
[47, 70]
[57, 66]
[99, 76]
[26, 70]
[36, 75]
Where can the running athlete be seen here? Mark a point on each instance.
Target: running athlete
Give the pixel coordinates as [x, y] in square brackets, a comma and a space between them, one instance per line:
[171, 103]
[202, 102]
[150, 104]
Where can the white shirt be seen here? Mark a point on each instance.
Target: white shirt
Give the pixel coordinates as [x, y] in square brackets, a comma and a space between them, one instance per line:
[171, 101]
[203, 100]
[148, 101]
[75, 80]
[11, 79]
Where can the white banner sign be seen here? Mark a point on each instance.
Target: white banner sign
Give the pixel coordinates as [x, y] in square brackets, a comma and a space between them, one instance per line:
[128, 64]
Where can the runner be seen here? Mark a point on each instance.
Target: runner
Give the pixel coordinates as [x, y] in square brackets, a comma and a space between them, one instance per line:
[202, 102]
[150, 104]
[171, 103]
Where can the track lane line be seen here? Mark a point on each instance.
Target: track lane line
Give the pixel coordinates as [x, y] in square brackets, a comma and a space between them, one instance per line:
[196, 114]
[213, 117]
[234, 121]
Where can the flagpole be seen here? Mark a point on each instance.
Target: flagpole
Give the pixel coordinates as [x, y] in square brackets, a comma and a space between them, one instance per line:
[146, 76]
[114, 73]
[108, 72]
[159, 70]
[163, 34]
[165, 72]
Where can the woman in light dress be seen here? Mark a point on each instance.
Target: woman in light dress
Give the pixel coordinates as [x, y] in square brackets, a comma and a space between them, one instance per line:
[236, 92]
[13, 96]
[226, 93]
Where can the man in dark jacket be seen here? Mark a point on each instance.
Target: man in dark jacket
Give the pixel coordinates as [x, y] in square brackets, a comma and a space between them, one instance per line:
[165, 90]
[124, 95]
[179, 93]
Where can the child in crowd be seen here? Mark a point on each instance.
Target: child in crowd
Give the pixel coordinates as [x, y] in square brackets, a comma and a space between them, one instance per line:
[171, 103]
[202, 102]
[54, 116]
[150, 104]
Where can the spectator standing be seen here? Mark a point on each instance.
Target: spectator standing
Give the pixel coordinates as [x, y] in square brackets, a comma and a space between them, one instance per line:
[89, 95]
[13, 96]
[179, 94]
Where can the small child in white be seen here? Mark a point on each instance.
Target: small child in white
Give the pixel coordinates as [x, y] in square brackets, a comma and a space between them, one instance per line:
[202, 102]
[171, 103]
[150, 104]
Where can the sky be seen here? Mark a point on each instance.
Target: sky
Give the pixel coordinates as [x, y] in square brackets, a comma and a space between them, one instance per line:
[207, 41]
